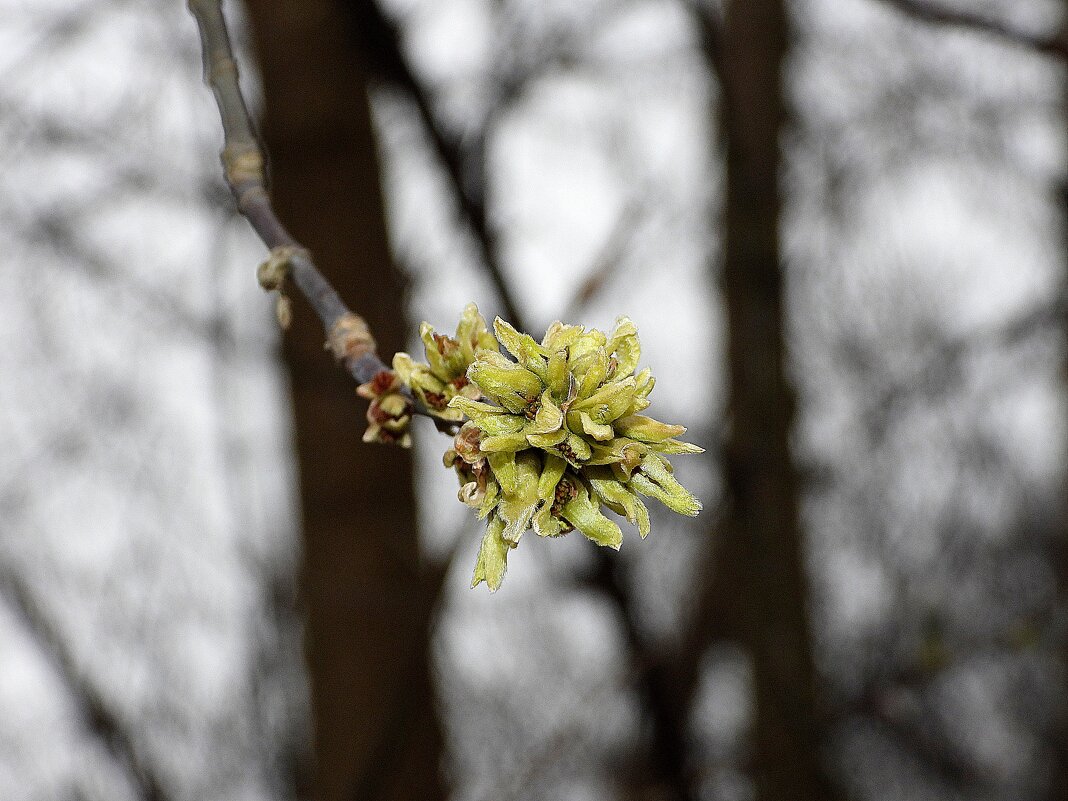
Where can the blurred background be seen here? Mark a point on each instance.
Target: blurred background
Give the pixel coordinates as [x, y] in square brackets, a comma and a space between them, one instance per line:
[840, 229]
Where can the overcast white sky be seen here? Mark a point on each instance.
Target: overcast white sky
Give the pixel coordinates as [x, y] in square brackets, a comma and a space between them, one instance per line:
[146, 487]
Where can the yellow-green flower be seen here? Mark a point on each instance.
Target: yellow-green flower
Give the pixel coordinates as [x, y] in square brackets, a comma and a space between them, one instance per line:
[552, 435]
[444, 375]
[390, 412]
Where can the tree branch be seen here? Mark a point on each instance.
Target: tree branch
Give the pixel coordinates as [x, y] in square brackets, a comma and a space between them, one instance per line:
[1056, 46]
[243, 163]
[98, 717]
[381, 41]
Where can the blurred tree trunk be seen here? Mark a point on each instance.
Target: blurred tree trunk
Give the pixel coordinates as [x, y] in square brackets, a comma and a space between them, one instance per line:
[762, 524]
[376, 736]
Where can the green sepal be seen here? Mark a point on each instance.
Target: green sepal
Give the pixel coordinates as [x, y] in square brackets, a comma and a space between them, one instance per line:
[583, 513]
[646, 429]
[614, 493]
[550, 440]
[592, 369]
[518, 506]
[492, 497]
[473, 334]
[625, 345]
[615, 396]
[492, 556]
[551, 472]
[504, 469]
[549, 417]
[655, 480]
[601, 432]
[504, 381]
[674, 447]
[515, 441]
[526, 351]
[557, 376]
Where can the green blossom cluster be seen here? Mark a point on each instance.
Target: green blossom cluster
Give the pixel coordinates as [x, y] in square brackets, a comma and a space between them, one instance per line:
[552, 435]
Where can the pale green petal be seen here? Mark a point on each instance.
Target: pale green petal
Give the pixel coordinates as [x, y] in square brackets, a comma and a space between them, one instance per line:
[489, 502]
[546, 524]
[430, 346]
[616, 396]
[549, 417]
[492, 556]
[504, 382]
[551, 473]
[599, 431]
[526, 351]
[583, 513]
[620, 403]
[504, 469]
[559, 336]
[646, 429]
[639, 404]
[591, 370]
[612, 492]
[624, 343]
[655, 480]
[550, 440]
[473, 334]
[557, 376]
[574, 448]
[518, 517]
[504, 442]
[446, 355]
[674, 446]
[500, 424]
[481, 414]
[475, 409]
[644, 383]
[518, 506]
[620, 450]
[403, 365]
[421, 378]
[586, 343]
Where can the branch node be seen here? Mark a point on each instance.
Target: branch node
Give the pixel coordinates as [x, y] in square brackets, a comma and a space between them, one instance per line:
[220, 66]
[350, 338]
[243, 163]
[272, 274]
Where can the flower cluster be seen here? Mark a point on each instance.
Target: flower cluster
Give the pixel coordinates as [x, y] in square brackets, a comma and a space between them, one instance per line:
[389, 414]
[444, 376]
[551, 435]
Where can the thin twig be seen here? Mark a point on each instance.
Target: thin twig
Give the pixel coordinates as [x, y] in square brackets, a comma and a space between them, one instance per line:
[243, 163]
[380, 39]
[1056, 46]
[606, 264]
[93, 709]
